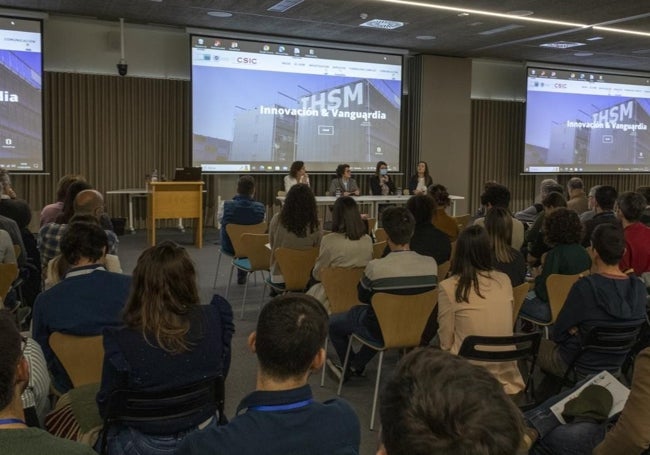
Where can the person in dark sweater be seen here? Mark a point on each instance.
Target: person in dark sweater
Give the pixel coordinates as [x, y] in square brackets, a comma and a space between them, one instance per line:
[606, 297]
[604, 200]
[281, 416]
[169, 340]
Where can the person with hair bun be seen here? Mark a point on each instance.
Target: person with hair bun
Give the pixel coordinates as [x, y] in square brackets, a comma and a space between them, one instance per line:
[441, 219]
[169, 340]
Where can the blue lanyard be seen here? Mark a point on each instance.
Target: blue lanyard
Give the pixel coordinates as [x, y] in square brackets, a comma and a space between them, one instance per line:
[282, 407]
[11, 421]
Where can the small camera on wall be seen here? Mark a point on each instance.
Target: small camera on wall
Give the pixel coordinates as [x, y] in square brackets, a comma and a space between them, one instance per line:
[122, 67]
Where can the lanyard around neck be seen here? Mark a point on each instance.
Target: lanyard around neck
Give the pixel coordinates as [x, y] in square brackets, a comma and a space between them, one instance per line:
[282, 407]
[11, 421]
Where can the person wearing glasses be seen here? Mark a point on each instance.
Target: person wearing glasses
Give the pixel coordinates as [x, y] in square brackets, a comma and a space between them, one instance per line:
[344, 184]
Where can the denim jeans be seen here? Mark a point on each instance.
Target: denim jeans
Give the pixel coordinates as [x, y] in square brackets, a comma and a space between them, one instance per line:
[342, 326]
[535, 308]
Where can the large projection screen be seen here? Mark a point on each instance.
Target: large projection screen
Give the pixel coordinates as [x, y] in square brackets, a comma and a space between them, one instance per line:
[21, 95]
[258, 106]
[587, 121]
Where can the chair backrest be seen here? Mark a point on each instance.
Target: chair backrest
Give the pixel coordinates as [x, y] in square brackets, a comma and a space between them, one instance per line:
[8, 273]
[371, 225]
[380, 235]
[253, 246]
[133, 407]
[296, 266]
[462, 220]
[378, 249]
[402, 318]
[282, 193]
[453, 251]
[235, 232]
[81, 356]
[340, 284]
[443, 270]
[613, 340]
[558, 287]
[519, 295]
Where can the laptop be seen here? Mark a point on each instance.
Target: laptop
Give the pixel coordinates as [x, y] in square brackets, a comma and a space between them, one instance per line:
[187, 174]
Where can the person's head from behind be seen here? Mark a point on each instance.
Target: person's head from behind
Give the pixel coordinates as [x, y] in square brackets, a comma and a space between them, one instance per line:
[14, 371]
[297, 167]
[562, 227]
[289, 337]
[299, 214]
[246, 185]
[439, 194]
[496, 196]
[64, 184]
[163, 293]
[422, 207]
[89, 202]
[608, 243]
[630, 206]
[547, 186]
[645, 192]
[399, 225]
[5, 183]
[591, 197]
[473, 255]
[498, 224]
[74, 189]
[437, 403]
[606, 197]
[83, 243]
[552, 201]
[346, 218]
[382, 168]
[575, 185]
[343, 171]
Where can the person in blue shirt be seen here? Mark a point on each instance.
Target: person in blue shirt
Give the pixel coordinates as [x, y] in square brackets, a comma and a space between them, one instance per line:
[243, 209]
[281, 416]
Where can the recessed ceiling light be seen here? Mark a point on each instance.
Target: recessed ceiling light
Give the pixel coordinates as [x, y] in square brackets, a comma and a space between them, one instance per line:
[219, 14]
[521, 13]
[505, 28]
[425, 37]
[561, 45]
[382, 23]
[463, 14]
[284, 5]
[595, 38]
[583, 54]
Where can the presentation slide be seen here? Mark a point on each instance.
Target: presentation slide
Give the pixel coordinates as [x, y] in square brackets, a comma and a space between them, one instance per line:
[21, 90]
[589, 122]
[259, 106]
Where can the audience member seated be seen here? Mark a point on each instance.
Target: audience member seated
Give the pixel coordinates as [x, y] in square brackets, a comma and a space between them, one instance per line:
[52, 211]
[297, 174]
[7, 252]
[498, 224]
[281, 416]
[427, 239]
[591, 204]
[604, 200]
[387, 274]
[420, 181]
[636, 258]
[296, 226]
[169, 340]
[380, 183]
[87, 300]
[477, 300]
[535, 245]
[441, 219]
[496, 195]
[36, 396]
[529, 214]
[69, 208]
[645, 192]
[16, 438]
[344, 184]
[439, 404]
[577, 197]
[348, 245]
[11, 207]
[482, 210]
[606, 297]
[86, 202]
[243, 209]
[562, 231]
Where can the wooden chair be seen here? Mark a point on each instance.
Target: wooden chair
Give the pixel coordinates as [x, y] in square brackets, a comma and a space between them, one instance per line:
[256, 257]
[443, 270]
[235, 232]
[8, 274]
[378, 249]
[401, 319]
[519, 295]
[296, 267]
[462, 220]
[380, 235]
[81, 356]
[372, 222]
[340, 284]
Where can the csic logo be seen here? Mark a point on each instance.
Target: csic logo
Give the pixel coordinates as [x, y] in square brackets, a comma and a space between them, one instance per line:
[559, 85]
[247, 60]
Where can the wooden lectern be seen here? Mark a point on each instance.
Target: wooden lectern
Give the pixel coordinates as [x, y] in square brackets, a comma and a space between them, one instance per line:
[175, 200]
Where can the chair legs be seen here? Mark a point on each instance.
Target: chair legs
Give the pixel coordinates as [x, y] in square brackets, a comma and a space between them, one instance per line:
[232, 269]
[345, 366]
[374, 400]
[243, 302]
[216, 274]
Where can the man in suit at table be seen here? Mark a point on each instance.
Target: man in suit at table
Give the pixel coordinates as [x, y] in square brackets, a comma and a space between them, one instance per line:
[242, 209]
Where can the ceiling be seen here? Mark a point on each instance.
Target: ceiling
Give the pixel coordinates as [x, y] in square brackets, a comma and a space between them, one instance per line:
[456, 34]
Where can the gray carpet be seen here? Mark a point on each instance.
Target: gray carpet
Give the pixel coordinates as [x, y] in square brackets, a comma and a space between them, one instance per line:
[241, 380]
